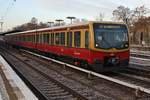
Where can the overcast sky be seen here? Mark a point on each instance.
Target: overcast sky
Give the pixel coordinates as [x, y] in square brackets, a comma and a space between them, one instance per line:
[21, 11]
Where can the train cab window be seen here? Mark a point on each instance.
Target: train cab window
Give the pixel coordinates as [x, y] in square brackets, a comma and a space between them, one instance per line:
[77, 38]
[86, 39]
[62, 38]
[69, 39]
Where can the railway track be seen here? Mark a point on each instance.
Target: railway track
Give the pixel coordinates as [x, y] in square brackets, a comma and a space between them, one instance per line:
[140, 60]
[53, 86]
[141, 54]
[47, 86]
[109, 89]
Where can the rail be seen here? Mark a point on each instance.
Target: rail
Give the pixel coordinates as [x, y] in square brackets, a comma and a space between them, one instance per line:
[139, 88]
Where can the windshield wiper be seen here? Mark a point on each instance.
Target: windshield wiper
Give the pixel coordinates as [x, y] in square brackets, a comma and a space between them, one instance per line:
[121, 43]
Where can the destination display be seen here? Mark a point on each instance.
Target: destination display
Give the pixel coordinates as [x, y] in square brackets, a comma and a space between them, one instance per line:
[108, 26]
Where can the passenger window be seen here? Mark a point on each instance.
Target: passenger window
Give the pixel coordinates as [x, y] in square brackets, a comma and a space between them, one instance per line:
[69, 39]
[37, 38]
[77, 38]
[49, 39]
[34, 38]
[62, 38]
[86, 39]
[57, 38]
[40, 38]
[52, 38]
[46, 38]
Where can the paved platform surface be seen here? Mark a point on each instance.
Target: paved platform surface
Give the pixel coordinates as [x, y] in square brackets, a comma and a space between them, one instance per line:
[3, 92]
[11, 86]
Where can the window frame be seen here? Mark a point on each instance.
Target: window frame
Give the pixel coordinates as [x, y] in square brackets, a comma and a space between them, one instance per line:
[77, 38]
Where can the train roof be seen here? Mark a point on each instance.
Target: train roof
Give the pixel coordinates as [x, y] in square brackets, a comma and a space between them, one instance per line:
[66, 26]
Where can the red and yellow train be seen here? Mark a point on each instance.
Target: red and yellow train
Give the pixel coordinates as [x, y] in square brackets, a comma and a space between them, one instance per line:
[100, 45]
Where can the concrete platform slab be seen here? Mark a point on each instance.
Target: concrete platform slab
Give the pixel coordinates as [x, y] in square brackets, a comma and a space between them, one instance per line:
[19, 87]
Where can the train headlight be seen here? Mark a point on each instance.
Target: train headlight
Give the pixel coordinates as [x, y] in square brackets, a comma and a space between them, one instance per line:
[126, 45]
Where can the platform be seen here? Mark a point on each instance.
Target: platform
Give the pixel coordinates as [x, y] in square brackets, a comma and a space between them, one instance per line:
[11, 85]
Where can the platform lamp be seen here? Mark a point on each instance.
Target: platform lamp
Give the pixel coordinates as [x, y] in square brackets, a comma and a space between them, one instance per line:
[71, 18]
[59, 21]
[1, 24]
[50, 23]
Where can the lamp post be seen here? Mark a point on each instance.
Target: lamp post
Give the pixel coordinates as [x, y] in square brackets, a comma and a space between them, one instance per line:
[50, 24]
[71, 18]
[1, 23]
[59, 21]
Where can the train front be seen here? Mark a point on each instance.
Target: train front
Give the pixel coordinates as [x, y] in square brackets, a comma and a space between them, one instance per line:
[110, 46]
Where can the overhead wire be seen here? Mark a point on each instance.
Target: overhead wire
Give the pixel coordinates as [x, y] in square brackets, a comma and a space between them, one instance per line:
[10, 5]
[3, 17]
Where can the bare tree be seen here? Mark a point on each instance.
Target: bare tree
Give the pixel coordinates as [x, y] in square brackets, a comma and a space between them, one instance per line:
[139, 12]
[34, 20]
[122, 14]
[33, 24]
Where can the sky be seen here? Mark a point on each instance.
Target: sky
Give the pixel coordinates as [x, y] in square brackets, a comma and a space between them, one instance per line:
[17, 12]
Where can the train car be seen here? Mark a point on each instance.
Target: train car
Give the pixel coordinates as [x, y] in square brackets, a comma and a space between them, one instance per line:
[103, 46]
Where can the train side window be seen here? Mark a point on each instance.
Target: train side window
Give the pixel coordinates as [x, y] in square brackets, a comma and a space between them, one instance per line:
[34, 38]
[62, 38]
[52, 39]
[46, 38]
[86, 39]
[37, 38]
[29, 38]
[57, 38]
[77, 38]
[69, 39]
[41, 38]
[26, 38]
[49, 41]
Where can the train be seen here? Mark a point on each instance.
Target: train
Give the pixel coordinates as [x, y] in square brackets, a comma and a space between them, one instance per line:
[102, 46]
